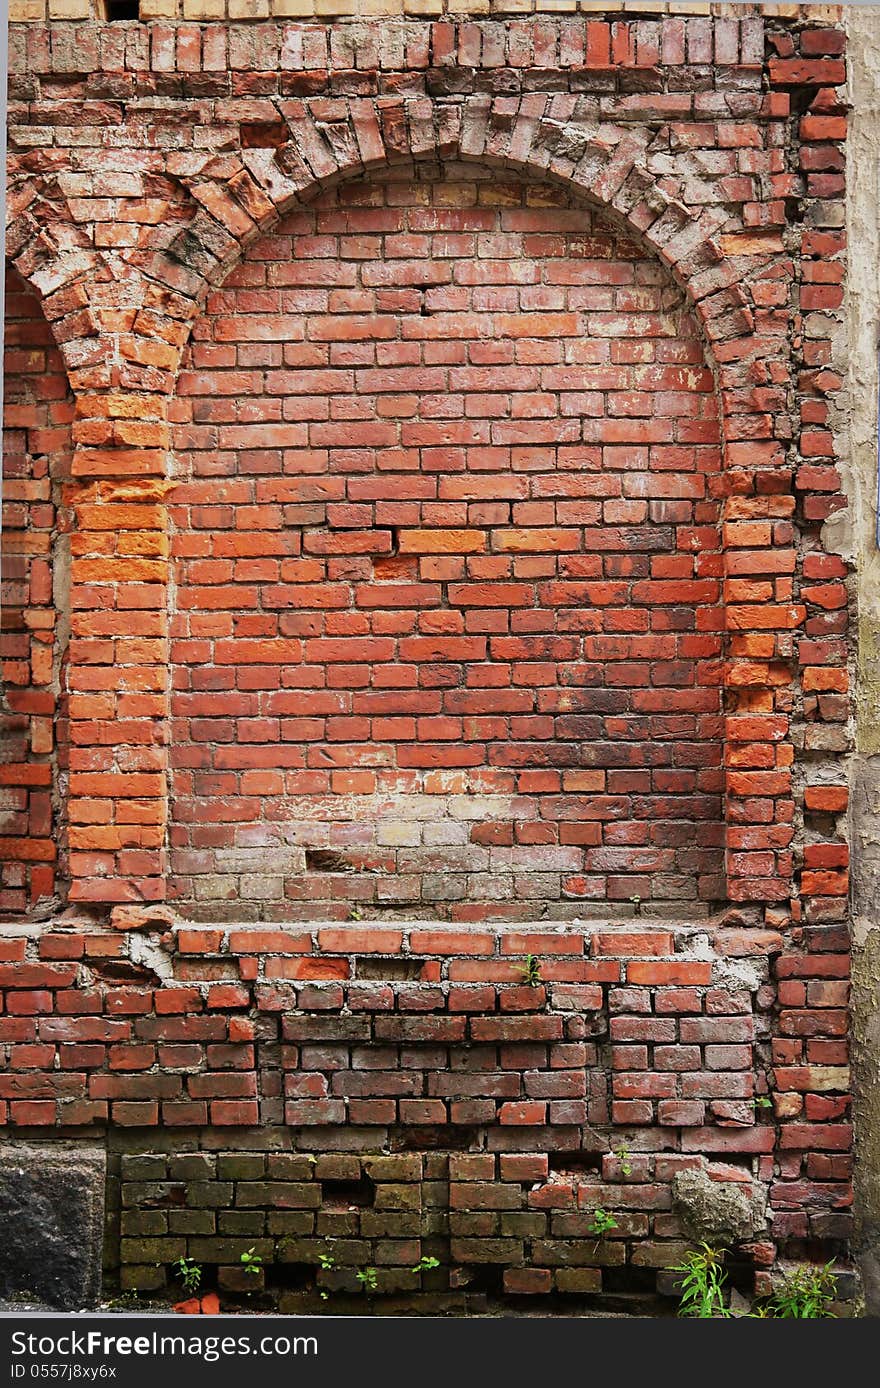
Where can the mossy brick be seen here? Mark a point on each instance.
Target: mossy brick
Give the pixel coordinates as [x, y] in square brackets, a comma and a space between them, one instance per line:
[351, 1252]
[398, 1197]
[482, 1224]
[290, 1166]
[395, 1279]
[279, 1195]
[669, 1283]
[578, 1253]
[134, 1223]
[228, 1249]
[247, 1223]
[238, 1279]
[193, 1166]
[406, 1167]
[142, 1278]
[241, 1166]
[435, 1195]
[531, 1224]
[282, 1223]
[338, 1224]
[471, 1166]
[340, 1280]
[192, 1222]
[629, 1225]
[209, 1194]
[143, 1168]
[338, 1167]
[580, 1281]
[301, 1250]
[385, 1224]
[506, 1252]
[436, 1166]
[663, 1254]
[346, 1252]
[152, 1250]
[158, 1193]
[484, 1196]
[397, 1252]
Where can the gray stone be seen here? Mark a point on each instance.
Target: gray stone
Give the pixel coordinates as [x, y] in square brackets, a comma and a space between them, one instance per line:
[52, 1218]
[720, 1213]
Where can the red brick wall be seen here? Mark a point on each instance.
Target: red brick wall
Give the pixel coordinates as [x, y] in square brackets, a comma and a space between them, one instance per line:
[38, 409]
[147, 225]
[447, 566]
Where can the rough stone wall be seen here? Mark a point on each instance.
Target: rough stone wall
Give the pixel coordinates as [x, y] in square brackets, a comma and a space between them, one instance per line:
[149, 164]
[854, 533]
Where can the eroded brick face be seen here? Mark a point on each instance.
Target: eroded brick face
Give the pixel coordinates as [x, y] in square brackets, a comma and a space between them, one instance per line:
[447, 565]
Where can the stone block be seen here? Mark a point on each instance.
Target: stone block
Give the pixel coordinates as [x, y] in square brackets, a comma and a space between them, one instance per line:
[52, 1217]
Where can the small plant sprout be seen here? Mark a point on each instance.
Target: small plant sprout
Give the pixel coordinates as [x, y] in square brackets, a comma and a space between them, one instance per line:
[368, 1279]
[531, 971]
[252, 1262]
[702, 1284]
[602, 1223]
[426, 1264]
[806, 1294]
[189, 1272]
[622, 1155]
[355, 913]
[327, 1263]
[763, 1101]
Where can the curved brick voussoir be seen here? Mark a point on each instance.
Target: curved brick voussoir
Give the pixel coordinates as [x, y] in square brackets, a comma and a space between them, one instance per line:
[243, 194]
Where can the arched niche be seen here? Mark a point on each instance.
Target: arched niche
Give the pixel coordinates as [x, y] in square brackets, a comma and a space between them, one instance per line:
[447, 632]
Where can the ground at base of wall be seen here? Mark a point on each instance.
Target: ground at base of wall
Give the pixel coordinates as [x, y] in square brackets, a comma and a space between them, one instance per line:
[437, 1304]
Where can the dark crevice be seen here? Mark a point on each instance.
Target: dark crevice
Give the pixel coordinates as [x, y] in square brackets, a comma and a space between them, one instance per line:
[326, 860]
[117, 10]
[343, 1195]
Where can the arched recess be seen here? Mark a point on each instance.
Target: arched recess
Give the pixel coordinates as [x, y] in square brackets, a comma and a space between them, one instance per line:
[239, 196]
[37, 447]
[446, 556]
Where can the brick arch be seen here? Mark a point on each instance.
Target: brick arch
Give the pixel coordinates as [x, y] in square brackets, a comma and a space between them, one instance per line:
[240, 195]
[55, 256]
[122, 433]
